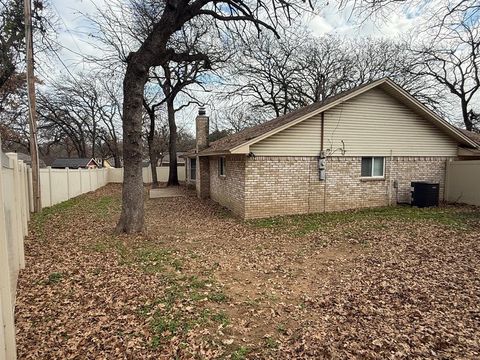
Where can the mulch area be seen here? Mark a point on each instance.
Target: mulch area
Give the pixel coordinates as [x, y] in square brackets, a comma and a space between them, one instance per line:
[200, 283]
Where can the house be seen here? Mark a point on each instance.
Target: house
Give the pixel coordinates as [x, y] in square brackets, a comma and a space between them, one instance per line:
[27, 159]
[165, 160]
[361, 148]
[75, 163]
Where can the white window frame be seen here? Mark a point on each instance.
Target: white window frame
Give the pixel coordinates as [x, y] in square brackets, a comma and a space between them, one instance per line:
[371, 176]
[222, 160]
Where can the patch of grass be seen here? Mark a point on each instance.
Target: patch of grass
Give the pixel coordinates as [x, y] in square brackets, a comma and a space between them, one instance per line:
[196, 283]
[155, 260]
[282, 329]
[104, 205]
[221, 317]
[100, 247]
[300, 225]
[155, 343]
[240, 354]
[41, 218]
[217, 296]
[54, 278]
[271, 343]
[161, 324]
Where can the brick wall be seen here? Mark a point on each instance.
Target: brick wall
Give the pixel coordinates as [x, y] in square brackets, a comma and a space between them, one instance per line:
[202, 180]
[229, 190]
[290, 185]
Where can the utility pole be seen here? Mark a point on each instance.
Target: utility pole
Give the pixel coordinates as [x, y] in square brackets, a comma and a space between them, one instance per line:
[32, 107]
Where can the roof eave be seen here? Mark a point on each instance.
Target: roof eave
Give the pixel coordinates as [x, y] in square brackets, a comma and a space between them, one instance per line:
[244, 148]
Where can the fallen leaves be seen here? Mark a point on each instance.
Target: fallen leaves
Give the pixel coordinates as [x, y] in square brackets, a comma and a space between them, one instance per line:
[379, 285]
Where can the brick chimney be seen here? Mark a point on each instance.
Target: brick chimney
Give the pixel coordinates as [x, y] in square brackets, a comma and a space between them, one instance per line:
[202, 125]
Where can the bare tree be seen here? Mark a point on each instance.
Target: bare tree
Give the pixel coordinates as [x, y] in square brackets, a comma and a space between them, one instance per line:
[156, 51]
[86, 110]
[280, 76]
[453, 61]
[448, 50]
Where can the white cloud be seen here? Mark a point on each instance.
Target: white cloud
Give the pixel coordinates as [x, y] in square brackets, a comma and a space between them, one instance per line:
[398, 21]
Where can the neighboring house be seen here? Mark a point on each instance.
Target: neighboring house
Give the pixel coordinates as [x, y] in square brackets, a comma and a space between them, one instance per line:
[361, 148]
[165, 161]
[106, 164]
[75, 163]
[27, 159]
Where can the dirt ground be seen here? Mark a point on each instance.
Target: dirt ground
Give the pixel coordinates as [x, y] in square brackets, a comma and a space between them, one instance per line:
[386, 283]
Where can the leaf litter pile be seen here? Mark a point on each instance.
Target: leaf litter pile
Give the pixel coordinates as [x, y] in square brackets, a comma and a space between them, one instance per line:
[386, 283]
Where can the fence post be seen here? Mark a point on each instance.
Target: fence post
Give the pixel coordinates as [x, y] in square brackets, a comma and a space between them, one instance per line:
[50, 187]
[18, 227]
[90, 179]
[23, 199]
[30, 188]
[27, 193]
[6, 301]
[68, 183]
[81, 182]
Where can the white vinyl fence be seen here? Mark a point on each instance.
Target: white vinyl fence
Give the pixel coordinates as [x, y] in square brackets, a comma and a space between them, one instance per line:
[16, 203]
[14, 216]
[58, 185]
[115, 175]
[463, 182]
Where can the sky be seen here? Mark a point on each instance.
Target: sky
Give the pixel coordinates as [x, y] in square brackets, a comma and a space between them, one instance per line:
[395, 22]
[329, 19]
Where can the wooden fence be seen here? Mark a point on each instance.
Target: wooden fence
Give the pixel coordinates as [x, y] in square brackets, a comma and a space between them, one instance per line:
[462, 183]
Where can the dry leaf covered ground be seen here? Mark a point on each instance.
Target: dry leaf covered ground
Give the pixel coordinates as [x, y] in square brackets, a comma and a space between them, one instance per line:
[376, 284]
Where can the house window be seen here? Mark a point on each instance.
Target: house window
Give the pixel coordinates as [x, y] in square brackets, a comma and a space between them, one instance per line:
[193, 169]
[221, 166]
[373, 166]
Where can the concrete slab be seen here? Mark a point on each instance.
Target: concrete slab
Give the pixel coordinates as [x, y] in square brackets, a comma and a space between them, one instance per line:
[165, 192]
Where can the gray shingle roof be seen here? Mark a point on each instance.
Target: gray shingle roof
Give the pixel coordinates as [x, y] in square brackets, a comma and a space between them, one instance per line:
[72, 163]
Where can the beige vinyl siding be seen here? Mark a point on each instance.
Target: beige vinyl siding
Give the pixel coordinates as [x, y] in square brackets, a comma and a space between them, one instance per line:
[373, 123]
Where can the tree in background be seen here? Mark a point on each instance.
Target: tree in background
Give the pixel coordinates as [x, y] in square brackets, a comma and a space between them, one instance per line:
[122, 29]
[156, 50]
[451, 55]
[85, 110]
[446, 49]
[278, 76]
[13, 96]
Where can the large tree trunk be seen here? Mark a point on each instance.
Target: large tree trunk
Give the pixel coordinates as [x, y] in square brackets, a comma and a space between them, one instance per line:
[131, 219]
[172, 145]
[466, 118]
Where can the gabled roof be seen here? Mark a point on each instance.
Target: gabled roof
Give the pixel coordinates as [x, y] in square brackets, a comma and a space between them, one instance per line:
[73, 163]
[239, 142]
